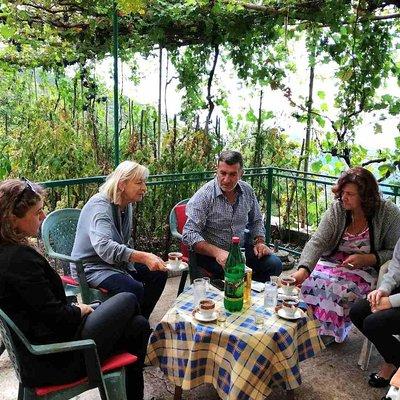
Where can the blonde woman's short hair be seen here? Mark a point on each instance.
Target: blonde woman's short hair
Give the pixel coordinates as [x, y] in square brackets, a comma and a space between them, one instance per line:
[126, 171]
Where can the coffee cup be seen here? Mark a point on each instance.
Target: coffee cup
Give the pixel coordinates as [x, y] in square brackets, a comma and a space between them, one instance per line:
[289, 306]
[175, 259]
[288, 284]
[206, 307]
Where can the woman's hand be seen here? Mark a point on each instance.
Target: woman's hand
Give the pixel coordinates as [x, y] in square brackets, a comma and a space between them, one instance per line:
[357, 261]
[384, 304]
[300, 275]
[85, 309]
[153, 262]
[375, 297]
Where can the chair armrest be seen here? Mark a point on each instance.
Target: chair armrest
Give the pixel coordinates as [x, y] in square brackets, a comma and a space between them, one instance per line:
[62, 257]
[80, 271]
[88, 346]
[63, 347]
[176, 234]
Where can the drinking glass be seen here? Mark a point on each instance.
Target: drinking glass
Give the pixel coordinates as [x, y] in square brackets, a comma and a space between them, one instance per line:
[207, 280]
[199, 290]
[274, 279]
[270, 296]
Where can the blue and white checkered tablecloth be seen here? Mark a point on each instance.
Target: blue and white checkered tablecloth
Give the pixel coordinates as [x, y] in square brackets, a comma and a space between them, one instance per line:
[240, 359]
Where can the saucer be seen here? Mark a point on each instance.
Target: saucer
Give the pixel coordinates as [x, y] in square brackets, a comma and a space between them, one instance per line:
[200, 317]
[182, 266]
[298, 314]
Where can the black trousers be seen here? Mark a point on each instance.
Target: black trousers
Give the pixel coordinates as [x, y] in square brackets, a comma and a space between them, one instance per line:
[379, 328]
[146, 285]
[115, 326]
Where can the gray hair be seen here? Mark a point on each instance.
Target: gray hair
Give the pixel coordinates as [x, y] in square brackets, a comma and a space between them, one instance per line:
[126, 171]
[231, 157]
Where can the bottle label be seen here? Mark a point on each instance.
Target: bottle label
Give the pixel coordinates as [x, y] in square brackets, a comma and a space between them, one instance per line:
[234, 289]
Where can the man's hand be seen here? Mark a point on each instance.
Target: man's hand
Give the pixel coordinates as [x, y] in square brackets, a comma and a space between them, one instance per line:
[300, 275]
[384, 304]
[375, 297]
[221, 256]
[261, 250]
[356, 261]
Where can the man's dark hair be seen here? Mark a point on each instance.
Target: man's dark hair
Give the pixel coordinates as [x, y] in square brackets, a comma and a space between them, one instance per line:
[231, 157]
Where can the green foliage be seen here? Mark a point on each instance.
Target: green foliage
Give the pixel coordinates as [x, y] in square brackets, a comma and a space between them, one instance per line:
[363, 48]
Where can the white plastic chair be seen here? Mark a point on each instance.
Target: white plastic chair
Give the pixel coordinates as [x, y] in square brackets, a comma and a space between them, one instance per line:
[394, 391]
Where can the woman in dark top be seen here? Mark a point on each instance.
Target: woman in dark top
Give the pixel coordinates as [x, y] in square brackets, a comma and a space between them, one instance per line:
[32, 295]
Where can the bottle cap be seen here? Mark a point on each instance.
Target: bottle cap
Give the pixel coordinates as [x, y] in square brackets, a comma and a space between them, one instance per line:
[235, 239]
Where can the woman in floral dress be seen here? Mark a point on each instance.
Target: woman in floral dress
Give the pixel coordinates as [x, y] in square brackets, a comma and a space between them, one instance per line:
[341, 261]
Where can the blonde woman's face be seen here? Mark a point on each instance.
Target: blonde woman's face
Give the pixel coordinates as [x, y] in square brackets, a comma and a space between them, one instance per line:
[133, 191]
[30, 223]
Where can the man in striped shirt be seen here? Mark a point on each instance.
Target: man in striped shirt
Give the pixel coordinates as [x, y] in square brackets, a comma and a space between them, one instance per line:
[222, 208]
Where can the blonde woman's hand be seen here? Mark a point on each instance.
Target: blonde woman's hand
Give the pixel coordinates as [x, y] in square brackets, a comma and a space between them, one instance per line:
[155, 263]
[375, 296]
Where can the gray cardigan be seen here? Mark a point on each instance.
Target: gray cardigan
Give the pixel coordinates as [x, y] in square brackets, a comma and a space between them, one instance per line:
[384, 233]
[103, 237]
[392, 277]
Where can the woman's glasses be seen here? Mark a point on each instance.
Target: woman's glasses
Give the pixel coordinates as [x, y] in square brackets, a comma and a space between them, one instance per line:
[28, 187]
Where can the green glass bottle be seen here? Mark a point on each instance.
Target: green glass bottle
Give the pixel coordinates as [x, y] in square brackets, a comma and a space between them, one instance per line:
[234, 277]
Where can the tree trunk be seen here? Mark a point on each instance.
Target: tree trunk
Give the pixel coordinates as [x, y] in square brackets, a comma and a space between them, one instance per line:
[309, 113]
[159, 106]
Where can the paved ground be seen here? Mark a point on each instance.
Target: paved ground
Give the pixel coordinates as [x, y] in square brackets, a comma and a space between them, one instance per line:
[332, 375]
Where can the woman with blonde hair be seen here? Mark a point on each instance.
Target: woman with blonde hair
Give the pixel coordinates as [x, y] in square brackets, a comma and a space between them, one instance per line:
[32, 295]
[104, 236]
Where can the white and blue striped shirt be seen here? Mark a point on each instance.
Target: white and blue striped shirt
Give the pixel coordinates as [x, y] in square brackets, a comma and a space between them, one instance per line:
[213, 219]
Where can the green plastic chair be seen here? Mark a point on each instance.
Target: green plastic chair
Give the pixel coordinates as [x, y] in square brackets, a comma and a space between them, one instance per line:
[58, 235]
[109, 377]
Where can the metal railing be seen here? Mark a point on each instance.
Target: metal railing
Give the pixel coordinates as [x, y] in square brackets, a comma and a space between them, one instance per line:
[293, 202]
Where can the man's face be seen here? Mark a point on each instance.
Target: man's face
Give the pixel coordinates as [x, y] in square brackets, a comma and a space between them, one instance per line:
[228, 176]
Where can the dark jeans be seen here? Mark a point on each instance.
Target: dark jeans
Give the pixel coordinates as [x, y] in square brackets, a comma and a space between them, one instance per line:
[379, 328]
[116, 326]
[262, 267]
[146, 285]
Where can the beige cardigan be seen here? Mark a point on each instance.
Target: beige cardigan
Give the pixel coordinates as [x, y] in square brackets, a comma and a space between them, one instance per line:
[384, 228]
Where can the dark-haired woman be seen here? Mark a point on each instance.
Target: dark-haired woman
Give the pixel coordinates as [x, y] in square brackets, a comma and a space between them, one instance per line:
[341, 261]
[32, 295]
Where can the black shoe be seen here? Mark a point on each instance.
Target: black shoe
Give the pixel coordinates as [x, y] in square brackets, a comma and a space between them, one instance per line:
[377, 381]
[327, 339]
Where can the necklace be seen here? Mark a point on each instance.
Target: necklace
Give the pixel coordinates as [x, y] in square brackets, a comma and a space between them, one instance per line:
[359, 226]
